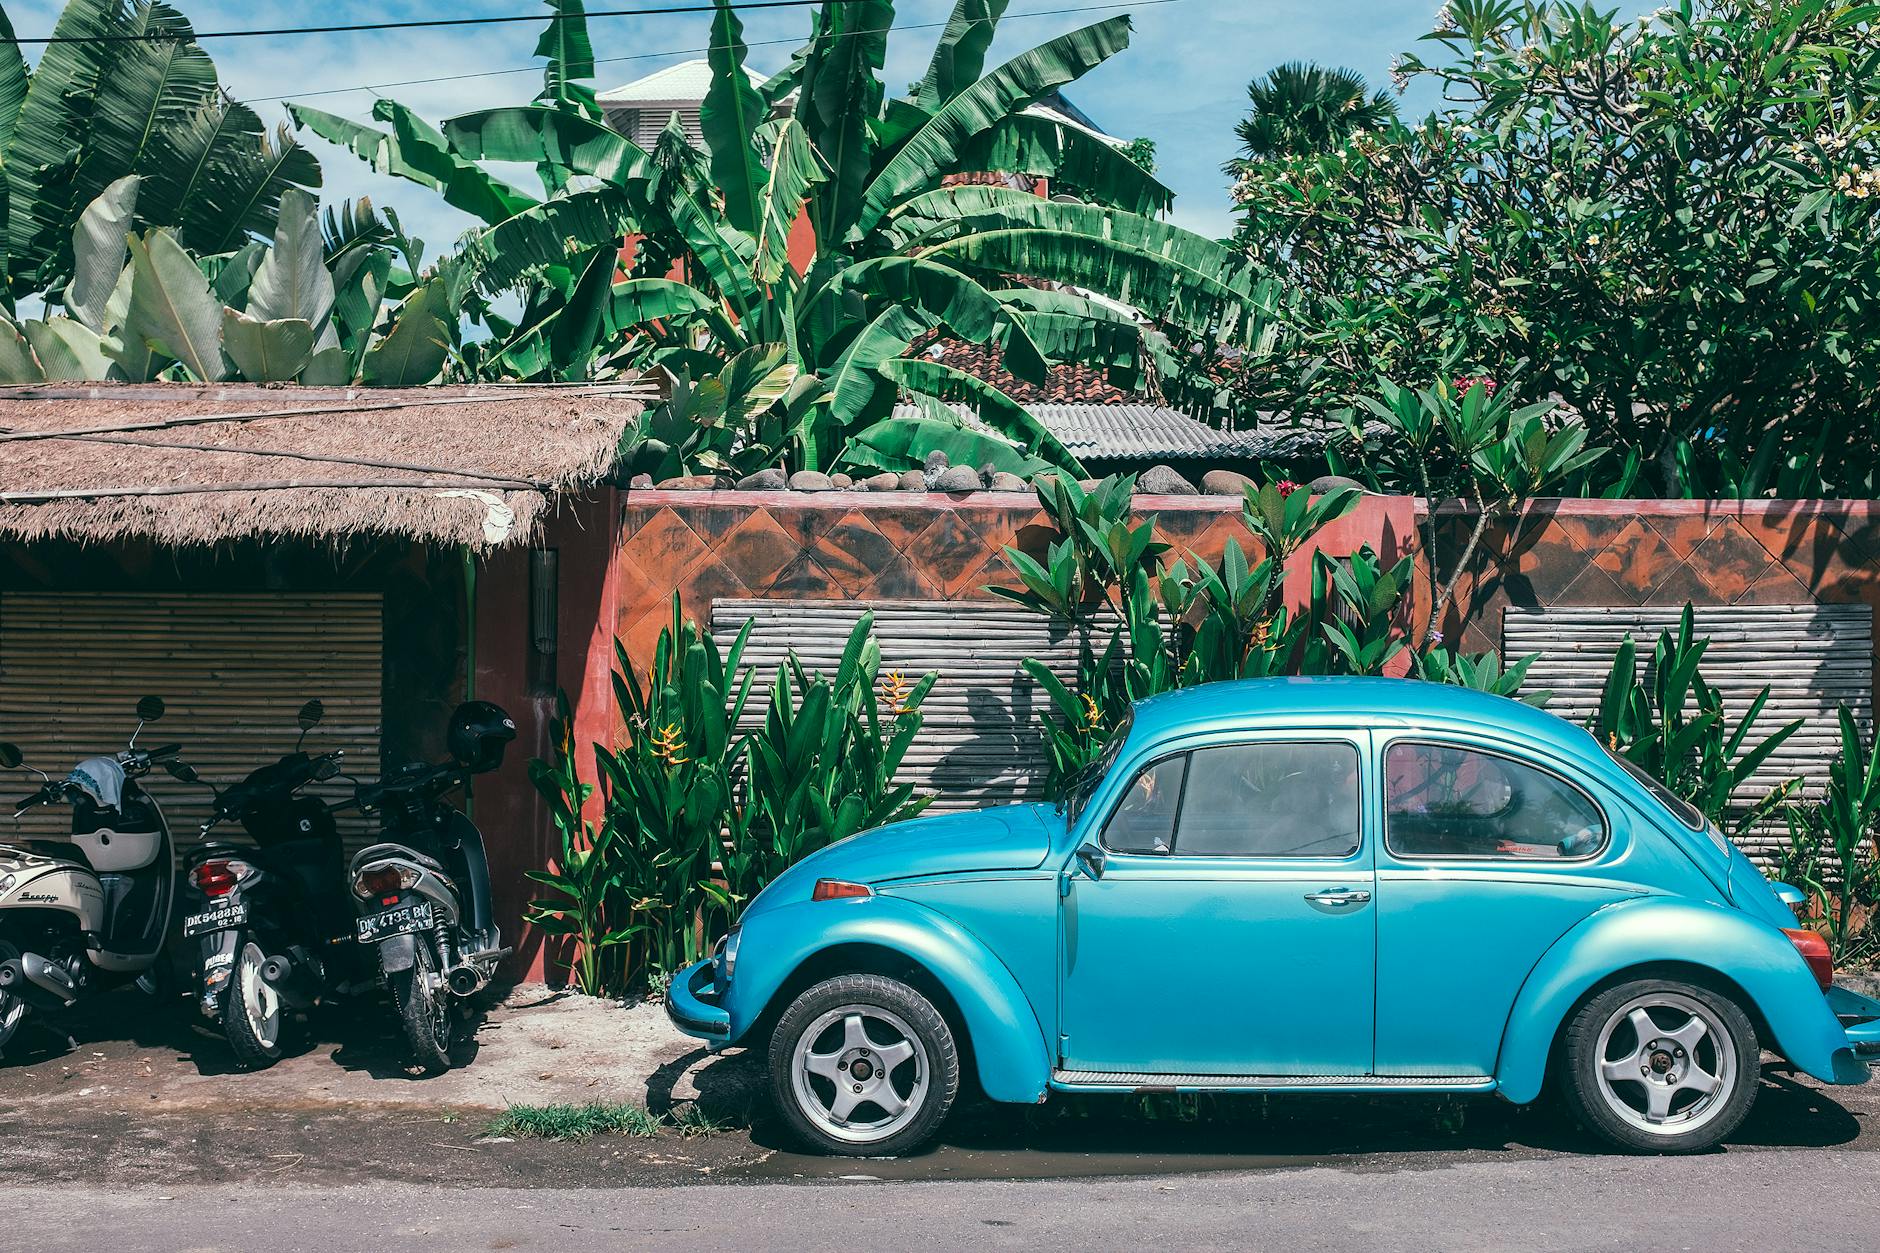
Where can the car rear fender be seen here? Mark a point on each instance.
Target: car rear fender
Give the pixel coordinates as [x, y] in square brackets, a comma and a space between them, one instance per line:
[1747, 952]
[1002, 1027]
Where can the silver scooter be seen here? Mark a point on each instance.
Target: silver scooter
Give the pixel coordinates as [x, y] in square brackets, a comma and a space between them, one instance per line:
[89, 912]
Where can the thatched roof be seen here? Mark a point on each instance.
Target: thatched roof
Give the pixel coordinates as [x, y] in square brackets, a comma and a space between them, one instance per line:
[187, 464]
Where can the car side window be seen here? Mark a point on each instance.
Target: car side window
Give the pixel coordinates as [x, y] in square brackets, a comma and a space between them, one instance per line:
[1443, 800]
[1144, 820]
[1269, 799]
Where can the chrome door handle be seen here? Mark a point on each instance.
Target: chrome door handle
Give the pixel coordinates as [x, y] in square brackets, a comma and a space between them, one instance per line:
[1339, 896]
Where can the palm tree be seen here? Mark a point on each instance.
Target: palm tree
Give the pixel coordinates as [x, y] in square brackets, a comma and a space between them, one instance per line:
[1300, 108]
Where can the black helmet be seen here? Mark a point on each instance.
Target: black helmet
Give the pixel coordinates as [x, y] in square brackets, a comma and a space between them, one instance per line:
[479, 731]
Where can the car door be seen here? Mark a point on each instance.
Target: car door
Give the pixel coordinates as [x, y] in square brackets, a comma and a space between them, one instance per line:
[1488, 857]
[1230, 930]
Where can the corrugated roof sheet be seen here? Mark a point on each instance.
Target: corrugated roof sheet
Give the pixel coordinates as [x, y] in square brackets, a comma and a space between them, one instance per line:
[684, 83]
[1130, 431]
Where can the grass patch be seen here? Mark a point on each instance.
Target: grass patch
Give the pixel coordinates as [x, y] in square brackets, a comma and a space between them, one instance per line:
[573, 1122]
[690, 1120]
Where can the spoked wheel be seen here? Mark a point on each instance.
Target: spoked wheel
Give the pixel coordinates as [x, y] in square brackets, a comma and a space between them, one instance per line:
[1662, 1067]
[252, 1015]
[864, 1065]
[12, 1007]
[424, 1005]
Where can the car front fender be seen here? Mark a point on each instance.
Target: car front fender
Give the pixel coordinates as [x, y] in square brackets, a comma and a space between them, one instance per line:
[1007, 1042]
[1755, 956]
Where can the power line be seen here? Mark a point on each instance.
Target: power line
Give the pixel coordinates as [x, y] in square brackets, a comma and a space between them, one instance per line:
[680, 52]
[180, 37]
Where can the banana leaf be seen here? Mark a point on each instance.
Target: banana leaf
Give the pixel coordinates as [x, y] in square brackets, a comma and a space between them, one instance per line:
[935, 150]
[995, 409]
[68, 350]
[728, 118]
[856, 380]
[13, 83]
[537, 133]
[414, 351]
[1027, 143]
[949, 297]
[794, 169]
[17, 363]
[638, 300]
[463, 184]
[904, 444]
[292, 281]
[172, 309]
[579, 328]
[1162, 288]
[267, 351]
[567, 48]
[546, 234]
[157, 77]
[960, 56]
[219, 175]
[841, 91]
[98, 251]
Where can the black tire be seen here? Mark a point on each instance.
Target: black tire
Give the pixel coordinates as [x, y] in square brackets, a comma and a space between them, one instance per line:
[930, 1071]
[426, 1013]
[247, 1040]
[1602, 1032]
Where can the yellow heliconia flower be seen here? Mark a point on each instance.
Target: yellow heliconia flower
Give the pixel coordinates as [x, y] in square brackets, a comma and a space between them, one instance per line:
[1093, 717]
[669, 745]
[894, 692]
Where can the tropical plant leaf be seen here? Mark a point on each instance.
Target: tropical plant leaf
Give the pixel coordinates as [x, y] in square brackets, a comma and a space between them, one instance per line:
[13, 84]
[1029, 143]
[947, 296]
[996, 409]
[293, 281]
[172, 309]
[273, 351]
[569, 51]
[537, 133]
[330, 367]
[904, 444]
[638, 300]
[220, 175]
[463, 184]
[98, 251]
[231, 279]
[841, 92]
[546, 235]
[359, 285]
[414, 350]
[856, 378]
[158, 78]
[960, 56]
[794, 169]
[68, 350]
[17, 363]
[728, 117]
[935, 148]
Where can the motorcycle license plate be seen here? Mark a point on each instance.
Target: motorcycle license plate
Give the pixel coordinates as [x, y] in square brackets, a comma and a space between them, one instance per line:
[224, 917]
[400, 921]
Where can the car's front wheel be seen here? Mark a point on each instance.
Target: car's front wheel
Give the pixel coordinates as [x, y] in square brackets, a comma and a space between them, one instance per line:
[1661, 1066]
[862, 1065]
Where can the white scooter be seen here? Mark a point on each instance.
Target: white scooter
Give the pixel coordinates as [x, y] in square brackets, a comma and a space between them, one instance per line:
[81, 915]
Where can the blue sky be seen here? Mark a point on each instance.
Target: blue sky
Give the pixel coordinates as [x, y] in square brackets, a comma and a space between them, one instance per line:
[1182, 82]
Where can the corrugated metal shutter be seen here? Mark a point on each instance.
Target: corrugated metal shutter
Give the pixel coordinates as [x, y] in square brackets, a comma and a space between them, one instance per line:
[233, 670]
[1811, 657]
[980, 742]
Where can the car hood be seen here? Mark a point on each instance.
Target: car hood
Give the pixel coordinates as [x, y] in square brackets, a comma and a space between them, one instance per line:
[1011, 837]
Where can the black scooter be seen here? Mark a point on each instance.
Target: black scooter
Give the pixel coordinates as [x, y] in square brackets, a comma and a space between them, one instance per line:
[423, 894]
[271, 920]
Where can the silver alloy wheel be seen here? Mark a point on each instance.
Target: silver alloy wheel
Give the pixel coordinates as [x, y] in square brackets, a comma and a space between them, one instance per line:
[260, 1003]
[860, 1073]
[430, 984]
[1667, 1064]
[12, 1006]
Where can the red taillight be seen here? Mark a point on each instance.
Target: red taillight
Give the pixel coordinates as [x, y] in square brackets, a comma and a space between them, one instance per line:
[1816, 953]
[839, 889]
[381, 882]
[215, 878]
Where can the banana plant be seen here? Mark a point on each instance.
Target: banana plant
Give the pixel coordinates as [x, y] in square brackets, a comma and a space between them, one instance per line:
[310, 308]
[898, 257]
[125, 90]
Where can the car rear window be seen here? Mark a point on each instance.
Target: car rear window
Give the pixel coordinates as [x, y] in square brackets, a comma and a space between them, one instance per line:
[1446, 800]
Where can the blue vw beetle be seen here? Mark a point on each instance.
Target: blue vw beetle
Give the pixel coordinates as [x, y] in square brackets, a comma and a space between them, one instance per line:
[1345, 885]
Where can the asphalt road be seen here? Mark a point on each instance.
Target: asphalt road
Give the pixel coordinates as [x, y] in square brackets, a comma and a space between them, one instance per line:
[1816, 1199]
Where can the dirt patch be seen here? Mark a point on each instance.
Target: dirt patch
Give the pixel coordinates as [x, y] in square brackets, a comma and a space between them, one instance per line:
[529, 1046]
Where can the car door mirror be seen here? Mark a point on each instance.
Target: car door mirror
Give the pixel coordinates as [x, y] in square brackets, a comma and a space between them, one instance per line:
[1091, 858]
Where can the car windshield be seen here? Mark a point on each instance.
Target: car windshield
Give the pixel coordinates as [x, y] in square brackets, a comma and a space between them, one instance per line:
[1681, 809]
[1084, 785]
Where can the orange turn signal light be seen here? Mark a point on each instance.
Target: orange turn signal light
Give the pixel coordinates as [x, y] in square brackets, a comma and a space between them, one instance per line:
[839, 889]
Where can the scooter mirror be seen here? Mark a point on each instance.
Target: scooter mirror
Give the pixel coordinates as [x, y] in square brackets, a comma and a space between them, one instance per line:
[10, 756]
[311, 713]
[149, 709]
[182, 771]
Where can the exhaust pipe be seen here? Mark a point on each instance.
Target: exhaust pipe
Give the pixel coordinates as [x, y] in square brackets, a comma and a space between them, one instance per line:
[34, 979]
[294, 982]
[465, 980]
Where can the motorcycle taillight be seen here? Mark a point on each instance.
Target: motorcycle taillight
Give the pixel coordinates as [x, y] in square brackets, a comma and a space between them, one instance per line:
[215, 878]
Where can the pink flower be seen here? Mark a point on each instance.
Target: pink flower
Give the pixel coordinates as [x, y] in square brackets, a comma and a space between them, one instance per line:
[1286, 487]
[1463, 383]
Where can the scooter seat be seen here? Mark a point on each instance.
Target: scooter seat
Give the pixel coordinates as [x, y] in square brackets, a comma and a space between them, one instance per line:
[378, 852]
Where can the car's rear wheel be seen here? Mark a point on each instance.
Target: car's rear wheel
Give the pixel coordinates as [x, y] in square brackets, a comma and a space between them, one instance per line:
[1661, 1066]
[862, 1065]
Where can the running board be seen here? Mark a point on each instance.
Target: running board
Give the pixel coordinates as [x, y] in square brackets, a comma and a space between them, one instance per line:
[1134, 1081]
